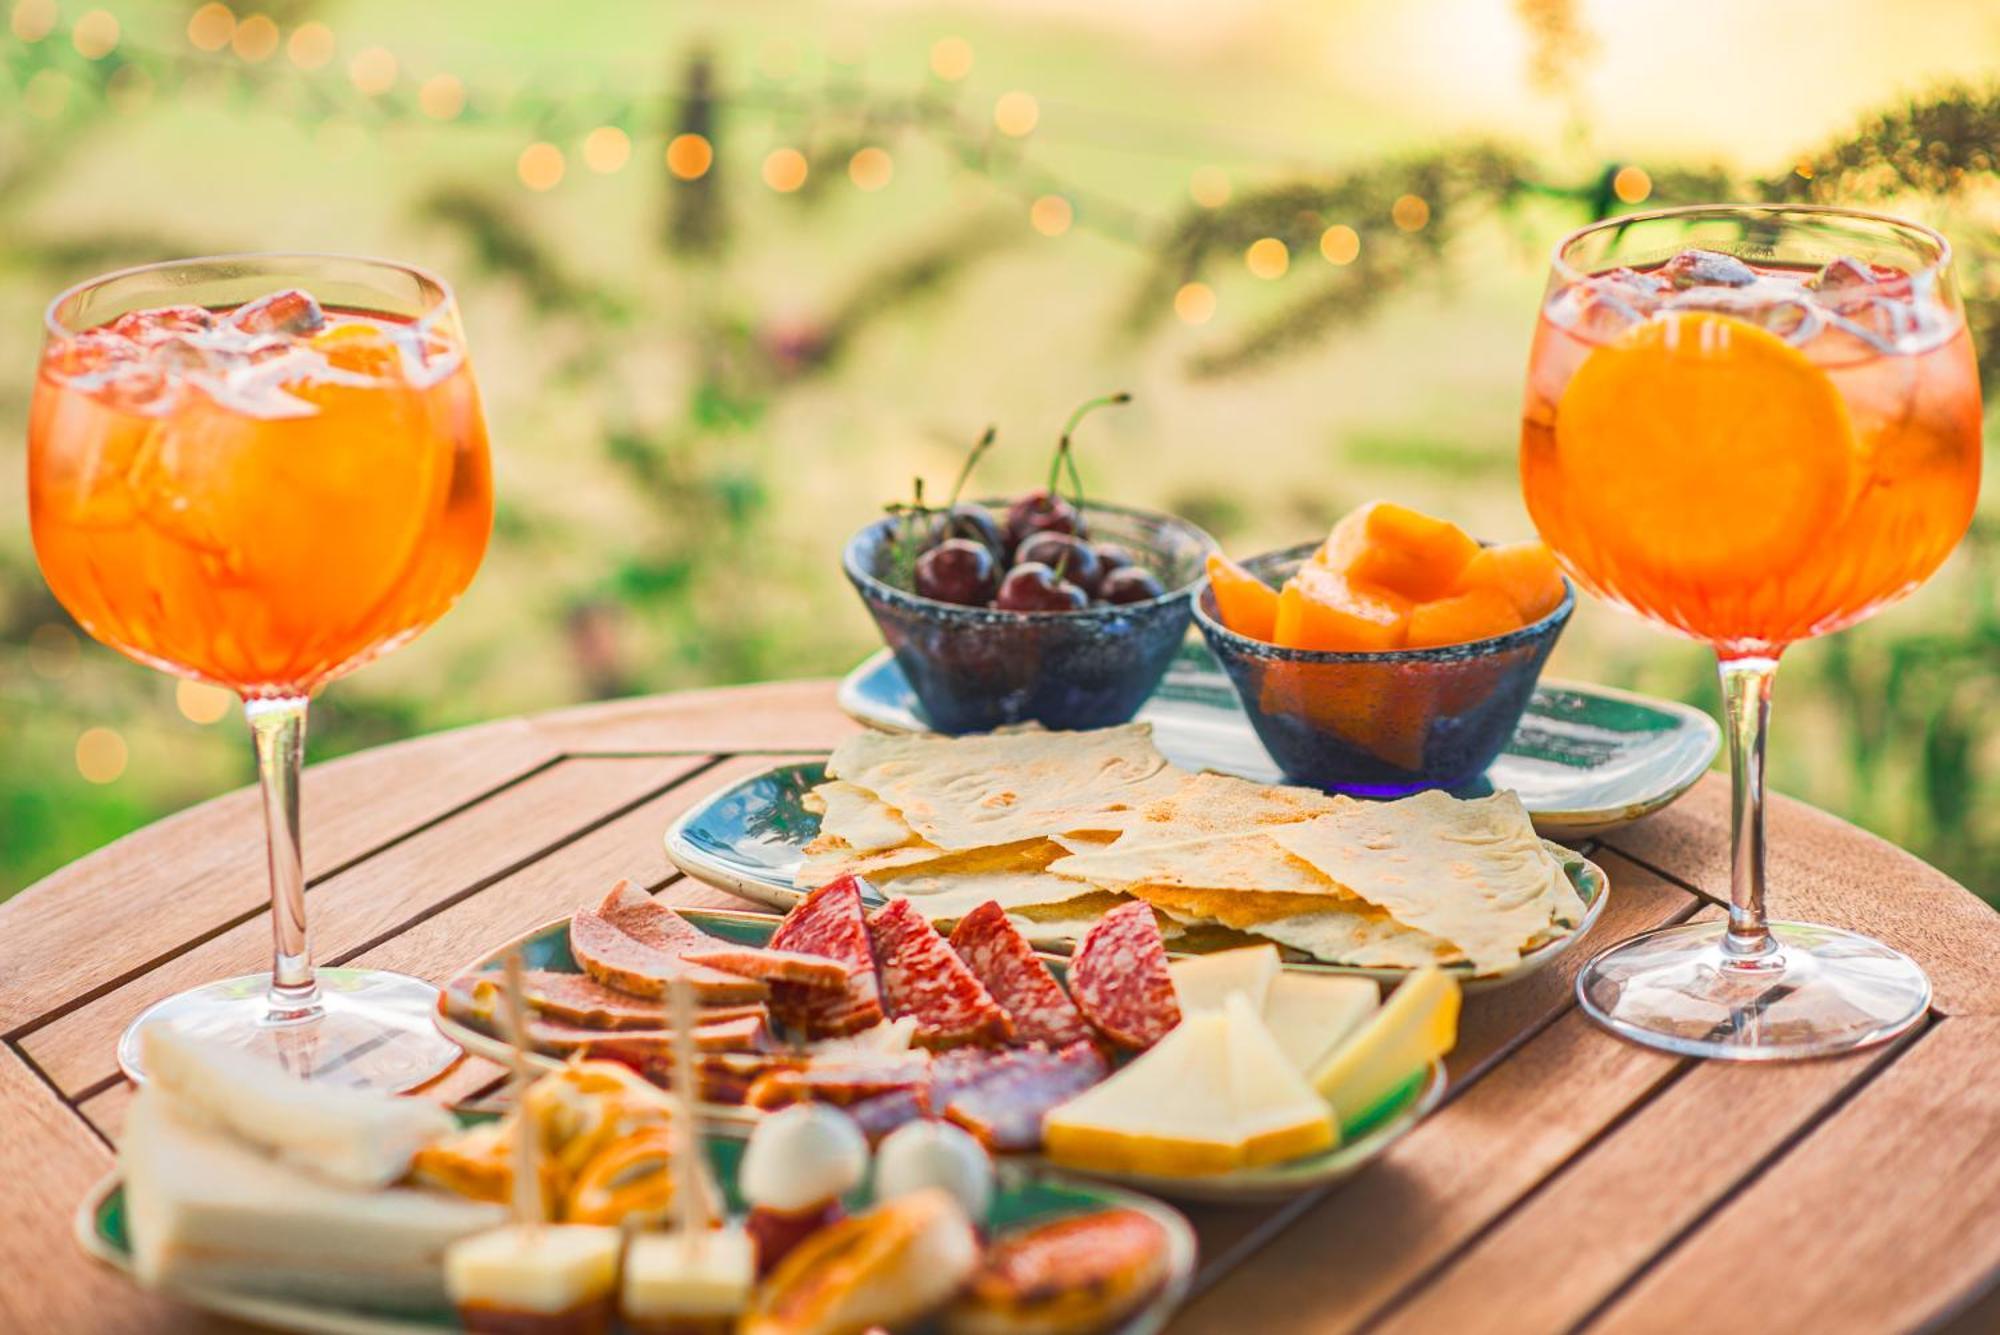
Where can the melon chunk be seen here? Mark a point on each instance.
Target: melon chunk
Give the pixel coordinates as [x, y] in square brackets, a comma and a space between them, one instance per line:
[1477, 614]
[1322, 610]
[1404, 551]
[1523, 572]
[1246, 604]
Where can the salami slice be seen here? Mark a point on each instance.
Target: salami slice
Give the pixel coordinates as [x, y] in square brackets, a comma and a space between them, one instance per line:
[921, 977]
[1005, 1106]
[1001, 959]
[658, 928]
[1119, 978]
[829, 923]
[842, 1083]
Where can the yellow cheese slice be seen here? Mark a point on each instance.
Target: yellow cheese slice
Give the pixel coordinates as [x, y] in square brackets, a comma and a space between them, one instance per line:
[1204, 982]
[1308, 1013]
[1417, 1025]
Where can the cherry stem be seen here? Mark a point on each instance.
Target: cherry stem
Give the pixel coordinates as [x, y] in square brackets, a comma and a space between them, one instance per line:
[1066, 455]
[971, 462]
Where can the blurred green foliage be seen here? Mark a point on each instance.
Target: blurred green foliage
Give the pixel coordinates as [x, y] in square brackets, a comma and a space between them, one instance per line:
[690, 416]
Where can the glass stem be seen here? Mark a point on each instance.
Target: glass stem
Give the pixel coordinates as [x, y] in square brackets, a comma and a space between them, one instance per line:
[1746, 701]
[279, 729]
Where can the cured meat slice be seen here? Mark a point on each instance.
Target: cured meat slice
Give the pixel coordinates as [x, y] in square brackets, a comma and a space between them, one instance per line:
[772, 966]
[842, 1083]
[637, 950]
[1001, 959]
[559, 1001]
[1119, 978]
[879, 1115]
[921, 977]
[829, 922]
[720, 1077]
[1005, 1105]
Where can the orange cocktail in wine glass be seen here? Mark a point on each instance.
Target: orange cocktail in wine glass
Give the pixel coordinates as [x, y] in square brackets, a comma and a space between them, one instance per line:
[261, 472]
[1752, 424]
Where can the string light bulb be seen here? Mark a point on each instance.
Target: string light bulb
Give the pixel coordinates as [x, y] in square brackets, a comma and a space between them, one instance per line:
[373, 70]
[540, 166]
[100, 755]
[1016, 114]
[1051, 215]
[951, 58]
[871, 168]
[785, 170]
[32, 20]
[606, 149]
[255, 39]
[95, 34]
[1194, 303]
[1268, 258]
[1340, 244]
[201, 703]
[1410, 212]
[689, 156]
[441, 97]
[310, 46]
[1632, 184]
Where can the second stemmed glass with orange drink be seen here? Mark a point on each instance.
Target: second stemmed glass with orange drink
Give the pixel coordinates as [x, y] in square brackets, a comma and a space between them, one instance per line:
[1754, 425]
[261, 472]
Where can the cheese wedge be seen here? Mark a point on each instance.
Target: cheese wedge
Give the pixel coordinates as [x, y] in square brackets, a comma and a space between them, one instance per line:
[209, 1211]
[1308, 1013]
[351, 1136]
[1215, 1094]
[504, 1278]
[676, 1283]
[1202, 982]
[1417, 1025]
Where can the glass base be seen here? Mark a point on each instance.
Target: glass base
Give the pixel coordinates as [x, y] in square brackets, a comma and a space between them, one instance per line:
[371, 1030]
[1820, 992]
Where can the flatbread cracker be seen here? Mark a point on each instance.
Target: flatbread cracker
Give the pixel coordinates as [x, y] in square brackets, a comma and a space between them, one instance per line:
[857, 818]
[1235, 862]
[1345, 937]
[1474, 874]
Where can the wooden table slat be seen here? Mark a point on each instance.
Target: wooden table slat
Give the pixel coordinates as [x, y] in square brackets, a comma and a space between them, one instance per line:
[1875, 1222]
[381, 894]
[75, 931]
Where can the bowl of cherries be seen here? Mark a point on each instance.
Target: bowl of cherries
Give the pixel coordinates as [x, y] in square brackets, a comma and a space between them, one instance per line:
[1044, 608]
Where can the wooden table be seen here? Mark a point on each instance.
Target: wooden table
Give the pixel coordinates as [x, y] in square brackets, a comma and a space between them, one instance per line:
[1570, 1181]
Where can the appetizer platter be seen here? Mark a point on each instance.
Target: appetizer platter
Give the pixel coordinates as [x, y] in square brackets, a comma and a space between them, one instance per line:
[1047, 1062]
[596, 1203]
[1060, 827]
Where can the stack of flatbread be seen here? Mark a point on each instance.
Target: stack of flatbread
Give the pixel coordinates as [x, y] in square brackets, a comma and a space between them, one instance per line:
[1060, 826]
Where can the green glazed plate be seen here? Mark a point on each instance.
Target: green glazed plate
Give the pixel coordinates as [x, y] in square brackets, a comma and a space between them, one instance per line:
[1023, 1194]
[749, 839]
[1584, 760]
[547, 947]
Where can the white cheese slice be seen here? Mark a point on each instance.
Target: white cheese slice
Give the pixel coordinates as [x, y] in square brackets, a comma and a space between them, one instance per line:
[1309, 1013]
[672, 1275]
[207, 1211]
[548, 1270]
[1203, 982]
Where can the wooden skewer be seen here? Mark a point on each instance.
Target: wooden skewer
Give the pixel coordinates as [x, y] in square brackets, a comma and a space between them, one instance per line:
[527, 1192]
[690, 1195]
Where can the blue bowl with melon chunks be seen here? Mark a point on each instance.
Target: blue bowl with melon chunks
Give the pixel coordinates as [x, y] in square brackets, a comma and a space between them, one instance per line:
[978, 668]
[1381, 723]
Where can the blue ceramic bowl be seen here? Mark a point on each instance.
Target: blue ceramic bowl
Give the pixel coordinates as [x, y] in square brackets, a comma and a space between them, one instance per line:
[974, 668]
[1382, 724]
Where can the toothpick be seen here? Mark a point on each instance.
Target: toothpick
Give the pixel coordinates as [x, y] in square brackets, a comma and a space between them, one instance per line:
[527, 1193]
[690, 1197]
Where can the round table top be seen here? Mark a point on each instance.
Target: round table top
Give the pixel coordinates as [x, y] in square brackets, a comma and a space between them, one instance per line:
[1571, 1179]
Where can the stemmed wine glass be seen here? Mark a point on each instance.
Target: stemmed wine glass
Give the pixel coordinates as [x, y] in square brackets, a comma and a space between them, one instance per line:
[1752, 424]
[261, 471]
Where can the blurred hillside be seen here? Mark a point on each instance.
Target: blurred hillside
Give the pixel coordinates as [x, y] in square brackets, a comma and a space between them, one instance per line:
[733, 274]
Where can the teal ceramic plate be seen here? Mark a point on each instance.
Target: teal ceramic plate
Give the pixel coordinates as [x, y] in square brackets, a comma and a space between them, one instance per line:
[1024, 1194]
[547, 947]
[1585, 759]
[749, 839]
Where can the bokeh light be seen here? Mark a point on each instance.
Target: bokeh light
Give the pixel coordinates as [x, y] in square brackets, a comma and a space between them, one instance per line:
[1209, 187]
[871, 168]
[1051, 215]
[310, 46]
[1632, 184]
[373, 70]
[32, 20]
[606, 149]
[951, 58]
[256, 39]
[1340, 244]
[1016, 113]
[1268, 257]
[95, 34]
[540, 166]
[1194, 303]
[200, 702]
[689, 156]
[1410, 212]
[441, 96]
[785, 170]
[210, 27]
[100, 755]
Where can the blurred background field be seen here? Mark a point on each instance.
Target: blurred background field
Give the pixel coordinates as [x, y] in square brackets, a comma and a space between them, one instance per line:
[734, 274]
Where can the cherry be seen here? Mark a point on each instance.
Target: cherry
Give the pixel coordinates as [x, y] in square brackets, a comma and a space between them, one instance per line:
[1071, 557]
[972, 522]
[1034, 587]
[1110, 556]
[958, 570]
[1130, 584]
[1042, 511]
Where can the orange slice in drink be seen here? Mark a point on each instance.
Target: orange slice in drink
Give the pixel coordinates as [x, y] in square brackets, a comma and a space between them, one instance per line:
[1703, 445]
